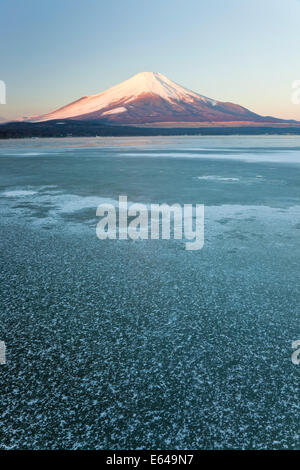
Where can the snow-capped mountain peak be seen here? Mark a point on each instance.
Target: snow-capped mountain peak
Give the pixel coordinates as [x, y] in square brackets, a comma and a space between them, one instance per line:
[151, 97]
[157, 84]
[141, 84]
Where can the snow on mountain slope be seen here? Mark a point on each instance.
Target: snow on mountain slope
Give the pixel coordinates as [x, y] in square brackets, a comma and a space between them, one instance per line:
[143, 83]
[150, 97]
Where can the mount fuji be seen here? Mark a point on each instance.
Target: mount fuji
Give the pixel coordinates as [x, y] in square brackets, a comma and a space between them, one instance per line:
[150, 98]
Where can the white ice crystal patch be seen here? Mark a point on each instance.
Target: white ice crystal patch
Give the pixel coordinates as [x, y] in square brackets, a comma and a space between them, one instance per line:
[19, 193]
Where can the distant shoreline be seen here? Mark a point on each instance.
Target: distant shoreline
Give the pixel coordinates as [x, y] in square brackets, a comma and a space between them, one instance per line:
[73, 128]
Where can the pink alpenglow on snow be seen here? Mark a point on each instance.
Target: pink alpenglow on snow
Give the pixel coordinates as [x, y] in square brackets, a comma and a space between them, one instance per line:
[150, 97]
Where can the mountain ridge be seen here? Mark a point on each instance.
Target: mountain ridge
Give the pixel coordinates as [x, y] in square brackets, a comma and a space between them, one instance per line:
[150, 97]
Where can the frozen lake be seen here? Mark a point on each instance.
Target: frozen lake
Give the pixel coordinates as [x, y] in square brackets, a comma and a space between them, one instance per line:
[144, 345]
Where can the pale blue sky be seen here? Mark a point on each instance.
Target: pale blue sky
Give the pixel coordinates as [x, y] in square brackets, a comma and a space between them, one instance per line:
[245, 51]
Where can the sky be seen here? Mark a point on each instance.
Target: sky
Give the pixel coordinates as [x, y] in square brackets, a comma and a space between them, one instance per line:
[243, 51]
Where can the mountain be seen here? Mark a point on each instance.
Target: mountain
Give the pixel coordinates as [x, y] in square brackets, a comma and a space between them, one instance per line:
[150, 97]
